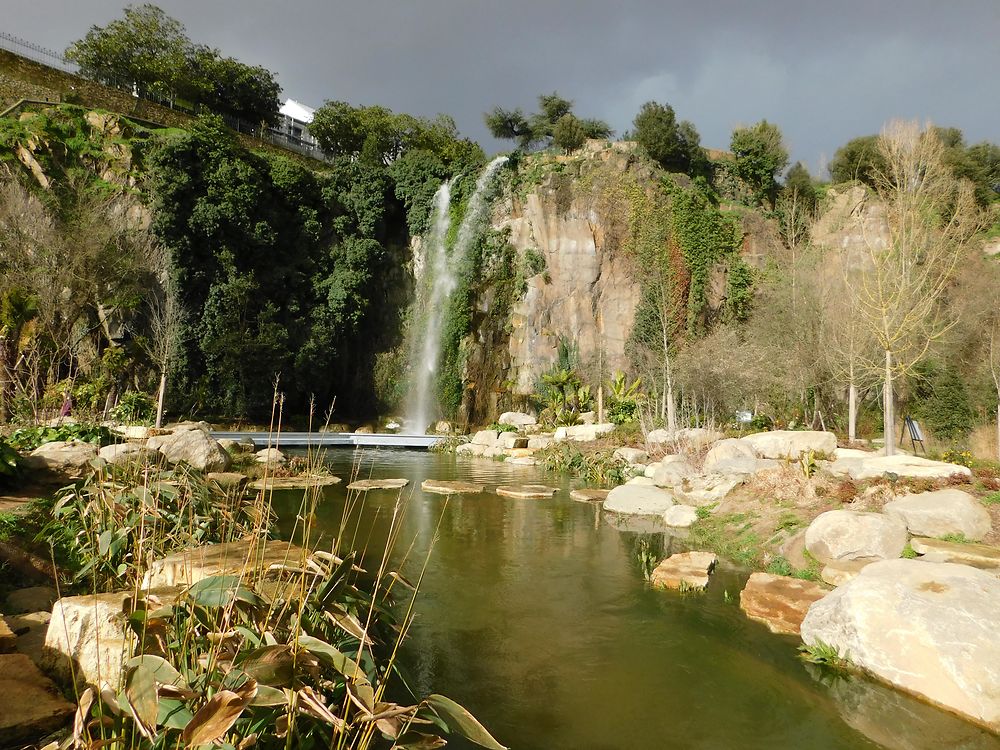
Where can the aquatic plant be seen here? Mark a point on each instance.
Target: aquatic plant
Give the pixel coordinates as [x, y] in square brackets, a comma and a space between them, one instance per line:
[824, 655]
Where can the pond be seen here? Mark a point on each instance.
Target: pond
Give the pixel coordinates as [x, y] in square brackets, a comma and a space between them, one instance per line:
[534, 614]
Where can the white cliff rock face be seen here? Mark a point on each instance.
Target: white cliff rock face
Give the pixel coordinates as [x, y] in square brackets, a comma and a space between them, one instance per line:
[927, 628]
[589, 289]
[853, 224]
[852, 535]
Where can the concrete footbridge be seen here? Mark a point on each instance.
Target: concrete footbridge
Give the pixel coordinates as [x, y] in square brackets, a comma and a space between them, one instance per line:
[330, 439]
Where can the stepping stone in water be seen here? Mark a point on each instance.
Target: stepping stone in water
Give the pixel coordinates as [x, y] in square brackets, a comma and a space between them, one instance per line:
[294, 483]
[588, 495]
[780, 602]
[364, 485]
[688, 570]
[527, 491]
[32, 707]
[446, 487]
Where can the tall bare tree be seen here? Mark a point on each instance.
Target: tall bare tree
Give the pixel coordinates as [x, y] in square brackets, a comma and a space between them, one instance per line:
[932, 218]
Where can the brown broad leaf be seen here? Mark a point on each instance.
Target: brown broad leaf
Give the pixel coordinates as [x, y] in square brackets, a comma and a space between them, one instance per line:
[140, 693]
[390, 727]
[270, 665]
[349, 624]
[362, 696]
[248, 741]
[80, 719]
[312, 704]
[109, 699]
[215, 718]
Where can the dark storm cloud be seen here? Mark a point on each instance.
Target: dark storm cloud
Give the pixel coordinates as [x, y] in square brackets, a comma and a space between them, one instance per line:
[824, 72]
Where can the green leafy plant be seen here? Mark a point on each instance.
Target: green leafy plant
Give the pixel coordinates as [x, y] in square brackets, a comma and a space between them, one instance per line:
[824, 655]
[134, 408]
[962, 458]
[602, 467]
[29, 438]
[498, 427]
[9, 459]
[623, 399]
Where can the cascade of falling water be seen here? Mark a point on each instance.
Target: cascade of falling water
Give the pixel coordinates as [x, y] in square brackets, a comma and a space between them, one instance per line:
[440, 277]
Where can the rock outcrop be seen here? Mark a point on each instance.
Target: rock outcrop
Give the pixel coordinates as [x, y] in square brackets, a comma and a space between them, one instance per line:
[942, 513]
[65, 458]
[780, 602]
[194, 447]
[853, 535]
[928, 628]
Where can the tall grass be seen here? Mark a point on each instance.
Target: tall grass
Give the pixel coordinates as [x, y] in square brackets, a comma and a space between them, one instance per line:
[301, 654]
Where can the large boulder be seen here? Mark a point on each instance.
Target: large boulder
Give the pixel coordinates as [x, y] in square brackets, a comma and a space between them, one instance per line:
[790, 443]
[470, 449]
[517, 419]
[639, 500]
[780, 602]
[927, 628]
[977, 555]
[486, 438]
[32, 705]
[854, 535]
[942, 513]
[672, 474]
[631, 455]
[680, 516]
[270, 457]
[705, 489]
[121, 454]
[189, 566]
[729, 450]
[192, 446]
[66, 458]
[900, 464]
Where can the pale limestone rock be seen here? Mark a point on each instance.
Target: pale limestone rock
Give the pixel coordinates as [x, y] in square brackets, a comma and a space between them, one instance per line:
[522, 460]
[727, 450]
[364, 485]
[672, 474]
[684, 570]
[840, 572]
[687, 439]
[32, 706]
[526, 491]
[588, 495]
[901, 464]
[707, 488]
[121, 454]
[927, 628]
[854, 535]
[271, 457]
[680, 516]
[300, 482]
[539, 441]
[486, 438]
[445, 487]
[650, 470]
[188, 425]
[631, 455]
[977, 555]
[131, 431]
[941, 513]
[790, 443]
[511, 441]
[470, 449]
[230, 446]
[638, 500]
[441, 427]
[68, 458]
[642, 480]
[189, 566]
[780, 602]
[193, 446]
[517, 419]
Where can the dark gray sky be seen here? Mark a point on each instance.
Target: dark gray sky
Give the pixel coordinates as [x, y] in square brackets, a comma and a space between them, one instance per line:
[824, 71]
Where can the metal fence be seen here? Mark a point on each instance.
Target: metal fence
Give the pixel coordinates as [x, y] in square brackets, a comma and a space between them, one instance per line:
[53, 59]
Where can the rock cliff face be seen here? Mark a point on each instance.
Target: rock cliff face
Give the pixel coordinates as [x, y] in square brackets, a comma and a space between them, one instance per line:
[589, 288]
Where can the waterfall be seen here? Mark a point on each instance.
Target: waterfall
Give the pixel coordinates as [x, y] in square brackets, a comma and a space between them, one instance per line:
[439, 277]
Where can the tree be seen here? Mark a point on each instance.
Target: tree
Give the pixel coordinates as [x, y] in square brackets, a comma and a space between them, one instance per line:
[568, 133]
[540, 127]
[799, 187]
[858, 159]
[931, 218]
[759, 155]
[147, 50]
[676, 146]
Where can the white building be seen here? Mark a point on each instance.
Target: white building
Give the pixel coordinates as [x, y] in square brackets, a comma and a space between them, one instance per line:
[294, 122]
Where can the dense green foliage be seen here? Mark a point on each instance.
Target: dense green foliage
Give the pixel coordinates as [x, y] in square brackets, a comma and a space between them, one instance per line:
[149, 51]
[676, 146]
[858, 159]
[941, 400]
[9, 460]
[541, 128]
[759, 156]
[28, 438]
[277, 267]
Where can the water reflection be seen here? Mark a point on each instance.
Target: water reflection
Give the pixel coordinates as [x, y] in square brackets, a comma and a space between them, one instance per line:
[535, 615]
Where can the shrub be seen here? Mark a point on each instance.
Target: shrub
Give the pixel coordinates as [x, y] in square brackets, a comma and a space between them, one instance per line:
[9, 458]
[134, 408]
[29, 438]
[602, 467]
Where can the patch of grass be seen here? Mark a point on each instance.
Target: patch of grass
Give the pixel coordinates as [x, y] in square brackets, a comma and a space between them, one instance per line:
[908, 552]
[956, 538]
[992, 499]
[812, 570]
[779, 566]
[730, 536]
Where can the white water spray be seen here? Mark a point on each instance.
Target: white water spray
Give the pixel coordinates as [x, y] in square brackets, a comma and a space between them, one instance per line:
[440, 278]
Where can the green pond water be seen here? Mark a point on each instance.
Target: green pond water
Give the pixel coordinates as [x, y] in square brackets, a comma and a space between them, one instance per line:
[535, 615]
